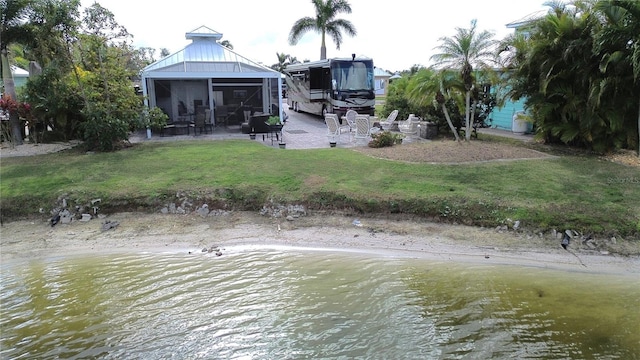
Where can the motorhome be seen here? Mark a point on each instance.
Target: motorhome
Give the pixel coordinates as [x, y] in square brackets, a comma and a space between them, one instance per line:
[331, 86]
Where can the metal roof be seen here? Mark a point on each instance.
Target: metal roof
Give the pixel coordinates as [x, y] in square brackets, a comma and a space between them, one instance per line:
[205, 57]
[19, 72]
[527, 20]
[381, 73]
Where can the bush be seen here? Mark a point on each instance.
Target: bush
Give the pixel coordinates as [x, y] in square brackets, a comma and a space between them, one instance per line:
[155, 119]
[104, 133]
[384, 138]
[273, 120]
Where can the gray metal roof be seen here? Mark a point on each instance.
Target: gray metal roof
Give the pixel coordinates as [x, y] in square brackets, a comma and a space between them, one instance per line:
[381, 73]
[205, 57]
[527, 20]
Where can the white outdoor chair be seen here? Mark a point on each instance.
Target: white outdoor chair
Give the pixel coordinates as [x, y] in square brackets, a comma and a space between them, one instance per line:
[386, 124]
[362, 128]
[350, 117]
[334, 130]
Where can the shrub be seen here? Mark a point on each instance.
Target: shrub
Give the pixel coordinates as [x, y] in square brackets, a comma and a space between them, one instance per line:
[273, 120]
[383, 139]
[104, 133]
[155, 118]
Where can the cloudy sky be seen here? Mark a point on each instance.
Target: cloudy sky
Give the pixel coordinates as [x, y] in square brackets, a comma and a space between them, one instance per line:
[395, 34]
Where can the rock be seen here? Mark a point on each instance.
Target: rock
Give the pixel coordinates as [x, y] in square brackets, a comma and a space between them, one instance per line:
[290, 218]
[86, 217]
[203, 211]
[108, 225]
[613, 240]
[54, 220]
[565, 240]
[65, 217]
[164, 210]
[95, 201]
[516, 225]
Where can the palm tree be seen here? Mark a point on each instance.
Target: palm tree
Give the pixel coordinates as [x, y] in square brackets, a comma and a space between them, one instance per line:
[13, 28]
[324, 23]
[282, 62]
[428, 87]
[466, 50]
[619, 46]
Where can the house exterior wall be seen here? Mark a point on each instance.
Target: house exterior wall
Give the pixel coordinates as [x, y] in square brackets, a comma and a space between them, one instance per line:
[502, 118]
[381, 84]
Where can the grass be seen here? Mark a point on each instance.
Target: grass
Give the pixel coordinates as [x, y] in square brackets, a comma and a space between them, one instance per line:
[577, 192]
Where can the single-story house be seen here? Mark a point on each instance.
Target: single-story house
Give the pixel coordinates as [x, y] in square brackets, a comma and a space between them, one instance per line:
[20, 76]
[381, 81]
[208, 75]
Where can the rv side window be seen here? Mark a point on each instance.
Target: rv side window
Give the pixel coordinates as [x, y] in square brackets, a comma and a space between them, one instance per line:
[315, 78]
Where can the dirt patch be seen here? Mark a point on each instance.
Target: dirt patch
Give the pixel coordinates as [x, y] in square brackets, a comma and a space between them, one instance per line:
[451, 152]
[29, 149]
[625, 157]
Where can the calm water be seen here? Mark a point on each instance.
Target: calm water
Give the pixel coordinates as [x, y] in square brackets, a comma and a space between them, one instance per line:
[303, 304]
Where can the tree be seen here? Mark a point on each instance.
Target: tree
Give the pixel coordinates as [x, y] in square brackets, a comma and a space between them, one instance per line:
[284, 60]
[466, 50]
[428, 87]
[577, 74]
[112, 107]
[619, 47]
[14, 28]
[324, 23]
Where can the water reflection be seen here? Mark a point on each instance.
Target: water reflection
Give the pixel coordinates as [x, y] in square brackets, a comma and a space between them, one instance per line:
[291, 304]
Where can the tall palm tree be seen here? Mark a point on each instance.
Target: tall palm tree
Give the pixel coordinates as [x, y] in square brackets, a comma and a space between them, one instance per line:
[466, 50]
[324, 23]
[13, 28]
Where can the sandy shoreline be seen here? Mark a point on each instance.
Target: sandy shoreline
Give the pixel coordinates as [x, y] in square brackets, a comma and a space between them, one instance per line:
[24, 240]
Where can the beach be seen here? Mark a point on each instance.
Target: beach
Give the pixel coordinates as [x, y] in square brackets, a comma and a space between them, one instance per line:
[233, 231]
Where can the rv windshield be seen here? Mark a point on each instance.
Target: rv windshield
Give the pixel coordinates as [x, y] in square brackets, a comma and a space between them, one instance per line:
[352, 75]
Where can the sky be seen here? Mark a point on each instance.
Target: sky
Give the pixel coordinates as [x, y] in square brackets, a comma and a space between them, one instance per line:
[396, 34]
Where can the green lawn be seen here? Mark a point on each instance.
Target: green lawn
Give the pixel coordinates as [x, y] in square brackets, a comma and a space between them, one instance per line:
[577, 192]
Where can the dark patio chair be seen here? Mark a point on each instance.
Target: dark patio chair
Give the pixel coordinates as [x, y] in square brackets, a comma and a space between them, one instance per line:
[199, 123]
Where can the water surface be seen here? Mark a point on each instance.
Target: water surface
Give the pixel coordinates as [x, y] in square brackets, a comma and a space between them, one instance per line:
[300, 304]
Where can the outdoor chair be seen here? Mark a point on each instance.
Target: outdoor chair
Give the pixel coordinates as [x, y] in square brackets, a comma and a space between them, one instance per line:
[386, 124]
[362, 128]
[207, 121]
[222, 113]
[199, 123]
[334, 130]
[350, 116]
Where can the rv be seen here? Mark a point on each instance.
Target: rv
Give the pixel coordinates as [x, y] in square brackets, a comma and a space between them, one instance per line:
[331, 86]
